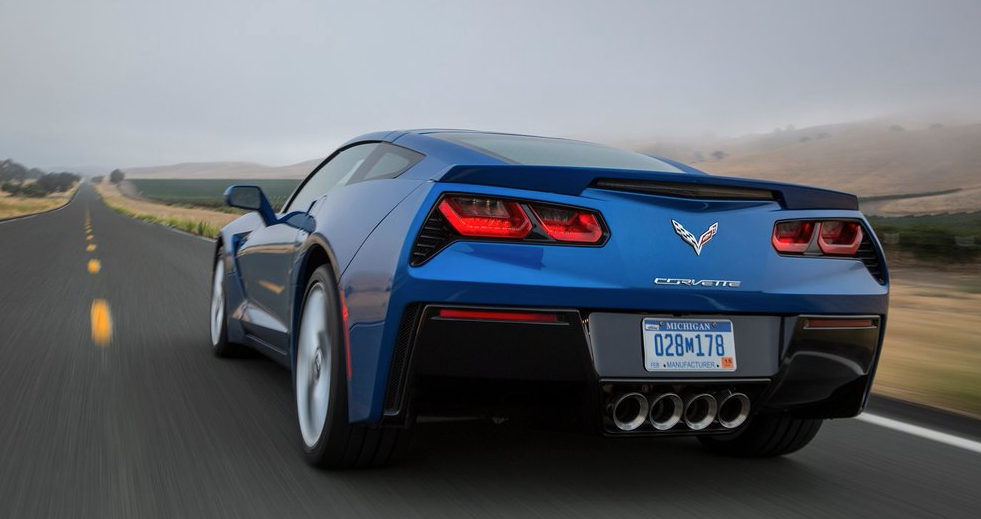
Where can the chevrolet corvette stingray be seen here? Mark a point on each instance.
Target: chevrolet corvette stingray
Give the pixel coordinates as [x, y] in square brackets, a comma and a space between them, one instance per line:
[463, 273]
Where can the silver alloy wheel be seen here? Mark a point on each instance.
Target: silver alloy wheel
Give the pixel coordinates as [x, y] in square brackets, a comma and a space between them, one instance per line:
[217, 304]
[314, 354]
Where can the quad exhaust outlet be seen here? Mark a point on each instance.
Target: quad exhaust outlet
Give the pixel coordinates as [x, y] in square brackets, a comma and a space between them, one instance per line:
[700, 411]
[666, 411]
[696, 411]
[733, 410]
[629, 411]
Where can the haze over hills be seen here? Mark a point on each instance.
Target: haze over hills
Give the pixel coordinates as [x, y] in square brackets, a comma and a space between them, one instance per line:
[874, 158]
[231, 170]
[903, 158]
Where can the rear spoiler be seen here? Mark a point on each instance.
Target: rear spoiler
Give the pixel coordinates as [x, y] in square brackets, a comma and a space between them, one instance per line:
[574, 180]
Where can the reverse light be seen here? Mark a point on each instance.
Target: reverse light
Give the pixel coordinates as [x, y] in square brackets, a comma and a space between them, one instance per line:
[569, 225]
[839, 237]
[485, 217]
[792, 237]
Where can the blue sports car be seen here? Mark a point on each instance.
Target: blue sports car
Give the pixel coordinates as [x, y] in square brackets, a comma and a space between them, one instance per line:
[449, 272]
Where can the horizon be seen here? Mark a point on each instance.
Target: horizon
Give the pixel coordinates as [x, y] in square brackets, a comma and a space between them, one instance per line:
[116, 84]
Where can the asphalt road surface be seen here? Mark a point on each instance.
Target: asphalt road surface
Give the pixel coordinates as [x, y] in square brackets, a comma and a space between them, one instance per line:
[111, 405]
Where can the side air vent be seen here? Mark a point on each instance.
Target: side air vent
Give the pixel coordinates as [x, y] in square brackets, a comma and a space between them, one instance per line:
[684, 190]
[436, 233]
[400, 360]
[867, 253]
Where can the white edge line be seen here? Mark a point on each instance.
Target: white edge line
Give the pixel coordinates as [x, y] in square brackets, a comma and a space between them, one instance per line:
[922, 432]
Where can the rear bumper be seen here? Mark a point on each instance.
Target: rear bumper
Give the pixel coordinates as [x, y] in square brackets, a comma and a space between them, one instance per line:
[784, 365]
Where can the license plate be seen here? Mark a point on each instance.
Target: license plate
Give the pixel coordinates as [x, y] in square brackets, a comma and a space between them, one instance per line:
[688, 345]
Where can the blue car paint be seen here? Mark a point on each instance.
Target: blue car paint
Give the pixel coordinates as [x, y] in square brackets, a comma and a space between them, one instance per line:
[371, 227]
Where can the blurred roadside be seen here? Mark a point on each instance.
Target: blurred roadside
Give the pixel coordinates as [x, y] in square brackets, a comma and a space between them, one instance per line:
[12, 206]
[932, 351]
[124, 199]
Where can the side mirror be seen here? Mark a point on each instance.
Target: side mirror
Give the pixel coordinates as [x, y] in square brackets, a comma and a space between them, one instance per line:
[253, 199]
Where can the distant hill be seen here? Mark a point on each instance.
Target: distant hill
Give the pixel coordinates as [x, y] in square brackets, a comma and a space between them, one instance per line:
[869, 158]
[889, 158]
[228, 170]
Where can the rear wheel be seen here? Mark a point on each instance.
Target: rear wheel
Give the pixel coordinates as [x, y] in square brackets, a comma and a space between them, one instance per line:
[329, 439]
[219, 325]
[766, 436]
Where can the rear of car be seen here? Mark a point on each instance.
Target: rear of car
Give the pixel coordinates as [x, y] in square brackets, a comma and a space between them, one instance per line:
[645, 297]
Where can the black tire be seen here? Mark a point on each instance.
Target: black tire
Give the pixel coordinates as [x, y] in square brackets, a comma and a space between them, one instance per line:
[334, 443]
[766, 436]
[219, 312]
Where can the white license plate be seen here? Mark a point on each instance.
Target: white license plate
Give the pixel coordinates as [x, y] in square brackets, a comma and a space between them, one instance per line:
[688, 345]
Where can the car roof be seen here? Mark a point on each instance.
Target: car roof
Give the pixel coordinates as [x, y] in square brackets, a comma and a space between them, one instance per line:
[479, 148]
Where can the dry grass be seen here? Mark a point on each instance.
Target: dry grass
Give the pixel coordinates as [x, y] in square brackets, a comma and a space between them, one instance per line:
[194, 220]
[932, 351]
[13, 206]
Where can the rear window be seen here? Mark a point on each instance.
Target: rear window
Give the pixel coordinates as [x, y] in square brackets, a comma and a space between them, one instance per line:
[545, 151]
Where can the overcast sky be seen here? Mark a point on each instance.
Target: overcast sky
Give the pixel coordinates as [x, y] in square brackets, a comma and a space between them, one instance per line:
[112, 83]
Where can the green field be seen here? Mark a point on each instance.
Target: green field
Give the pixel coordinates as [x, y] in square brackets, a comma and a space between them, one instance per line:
[934, 239]
[207, 192]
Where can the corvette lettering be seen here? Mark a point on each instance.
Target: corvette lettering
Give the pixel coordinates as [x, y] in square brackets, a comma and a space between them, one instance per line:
[720, 283]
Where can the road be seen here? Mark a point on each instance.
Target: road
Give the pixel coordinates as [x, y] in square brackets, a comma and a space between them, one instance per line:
[111, 405]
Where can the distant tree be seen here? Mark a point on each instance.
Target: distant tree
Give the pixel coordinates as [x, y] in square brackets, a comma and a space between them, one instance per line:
[116, 176]
[897, 128]
[698, 156]
[936, 126]
[823, 135]
[10, 170]
[97, 179]
[31, 190]
[57, 182]
[719, 154]
[48, 183]
[13, 176]
[805, 139]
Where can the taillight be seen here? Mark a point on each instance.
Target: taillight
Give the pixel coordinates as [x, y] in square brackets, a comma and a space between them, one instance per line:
[460, 216]
[489, 217]
[792, 237]
[817, 237]
[485, 217]
[570, 225]
[840, 237]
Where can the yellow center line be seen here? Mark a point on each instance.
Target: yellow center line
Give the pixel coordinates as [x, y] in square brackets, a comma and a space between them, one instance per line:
[94, 266]
[101, 323]
[90, 248]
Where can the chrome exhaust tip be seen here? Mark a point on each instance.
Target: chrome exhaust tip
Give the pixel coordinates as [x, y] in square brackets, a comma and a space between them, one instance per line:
[666, 411]
[629, 411]
[733, 410]
[700, 411]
